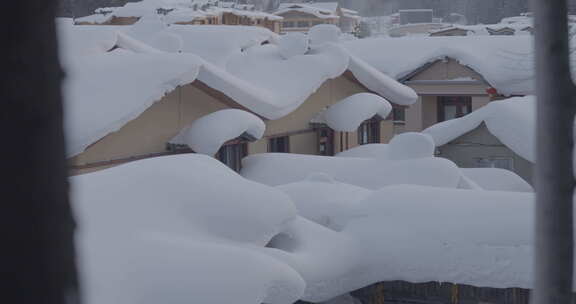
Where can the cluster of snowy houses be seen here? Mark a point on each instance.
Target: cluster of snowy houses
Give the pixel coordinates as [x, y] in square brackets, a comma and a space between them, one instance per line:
[357, 162]
[289, 17]
[288, 81]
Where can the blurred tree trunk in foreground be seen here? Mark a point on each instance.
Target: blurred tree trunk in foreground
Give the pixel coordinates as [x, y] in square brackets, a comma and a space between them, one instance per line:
[37, 258]
[554, 165]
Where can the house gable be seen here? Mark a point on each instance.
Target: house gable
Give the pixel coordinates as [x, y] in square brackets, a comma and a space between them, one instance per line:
[445, 69]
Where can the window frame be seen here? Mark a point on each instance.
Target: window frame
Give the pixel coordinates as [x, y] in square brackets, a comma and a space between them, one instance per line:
[372, 129]
[460, 102]
[275, 143]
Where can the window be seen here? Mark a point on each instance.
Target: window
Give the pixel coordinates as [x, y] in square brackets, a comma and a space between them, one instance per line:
[399, 114]
[496, 162]
[279, 145]
[303, 24]
[326, 141]
[317, 22]
[450, 107]
[369, 132]
[288, 24]
[232, 155]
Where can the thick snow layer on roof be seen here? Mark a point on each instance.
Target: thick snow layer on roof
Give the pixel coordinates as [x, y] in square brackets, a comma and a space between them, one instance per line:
[279, 169]
[325, 201]
[326, 12]
[293, 44]
[103, 92]
[420, 234]
[218, 43]
[495, 179]
[207, 134]
[84, 40]
[292, 80]
[410, 145]
[512, 121]
[348, 114]
[173, 230]
[504, 61]
[324, 33]
[366, 151]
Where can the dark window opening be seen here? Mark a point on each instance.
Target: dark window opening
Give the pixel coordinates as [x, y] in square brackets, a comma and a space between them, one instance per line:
[450, 107]
[369, 132]
[399, 114]
[232, 155]
[326, 141]
[279, 145]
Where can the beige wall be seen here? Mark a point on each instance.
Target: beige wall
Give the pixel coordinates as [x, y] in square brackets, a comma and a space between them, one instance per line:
[438, 80]
[148, 134]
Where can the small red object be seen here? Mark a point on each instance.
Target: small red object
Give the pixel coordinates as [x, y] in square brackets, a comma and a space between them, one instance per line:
[492, 91]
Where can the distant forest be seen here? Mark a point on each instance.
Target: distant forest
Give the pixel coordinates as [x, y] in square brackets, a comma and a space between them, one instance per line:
[476, 11]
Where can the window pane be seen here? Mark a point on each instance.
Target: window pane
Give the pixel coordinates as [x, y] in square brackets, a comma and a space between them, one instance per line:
[450, 112]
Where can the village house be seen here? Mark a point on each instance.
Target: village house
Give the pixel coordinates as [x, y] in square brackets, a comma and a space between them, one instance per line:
[184, 13]
[500, 135]
[300, 17]
[453, 76]
[152, 115]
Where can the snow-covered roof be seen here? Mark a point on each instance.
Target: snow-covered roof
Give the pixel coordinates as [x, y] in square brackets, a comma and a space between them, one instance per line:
[319, 10]
[506, 62]
[256, 77]
[178, 229]
[182, 228]
[512, 121]
[207, 134]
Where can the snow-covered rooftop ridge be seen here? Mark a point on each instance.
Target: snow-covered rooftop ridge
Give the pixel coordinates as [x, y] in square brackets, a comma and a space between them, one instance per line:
[512, 121]
[316, 9]
[505, 62]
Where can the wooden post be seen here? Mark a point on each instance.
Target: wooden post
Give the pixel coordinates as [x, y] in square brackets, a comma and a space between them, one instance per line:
[554, 166]
[37, 258]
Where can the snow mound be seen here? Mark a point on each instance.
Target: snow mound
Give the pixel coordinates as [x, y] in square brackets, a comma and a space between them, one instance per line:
[495, 179]
[293, 44]
[181, 229]
[362, 172]
[348, 114]
[324, 258]
[146, 27]
[167, 42]
[324, 33]
[481, 238]
[207, 134]
[324, 201]
[379, 151]
[411, 145]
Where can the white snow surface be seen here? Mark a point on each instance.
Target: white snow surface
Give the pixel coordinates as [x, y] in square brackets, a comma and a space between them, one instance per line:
[181, 229]
[505, 62]
[277, 169]
[293, 44]
[410, 145]
[348, 114]
[324, 33]
[319, 11]
[512, 121]
[131, 82]
[496, 179]
[325, 201]
[207, 134]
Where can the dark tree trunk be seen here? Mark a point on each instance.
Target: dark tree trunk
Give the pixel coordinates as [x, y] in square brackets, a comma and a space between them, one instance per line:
[554, 165]
[37, 258]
